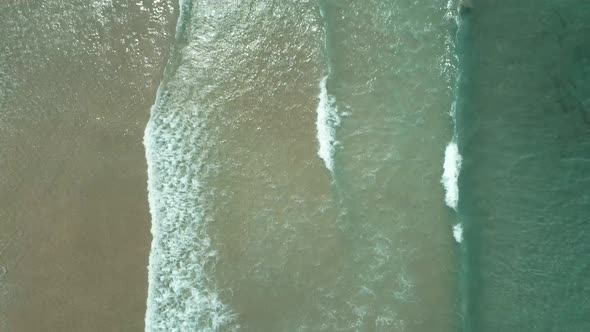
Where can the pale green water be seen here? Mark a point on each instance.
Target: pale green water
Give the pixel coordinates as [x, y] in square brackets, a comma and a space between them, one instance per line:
[252, 231]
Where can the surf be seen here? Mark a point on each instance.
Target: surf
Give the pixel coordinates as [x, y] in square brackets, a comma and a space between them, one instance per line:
[181, 296]
[181, 249]
[327, 122]
[450, 177]
[328, 118]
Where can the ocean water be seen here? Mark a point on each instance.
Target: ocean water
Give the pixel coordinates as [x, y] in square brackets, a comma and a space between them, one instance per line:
[312, 165]
[524, 135]
[295, 156]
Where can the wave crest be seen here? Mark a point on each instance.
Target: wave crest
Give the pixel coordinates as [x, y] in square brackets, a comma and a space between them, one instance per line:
[327, 122]
[450, 177]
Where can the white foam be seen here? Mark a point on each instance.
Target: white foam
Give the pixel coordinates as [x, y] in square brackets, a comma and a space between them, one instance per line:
[450, 177]
[458, 233]
[180, 295]
[327, 122]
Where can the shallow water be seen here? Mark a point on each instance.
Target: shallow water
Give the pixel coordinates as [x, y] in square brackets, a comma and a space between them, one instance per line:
[76, 81]
[284, 150]
[312, 165]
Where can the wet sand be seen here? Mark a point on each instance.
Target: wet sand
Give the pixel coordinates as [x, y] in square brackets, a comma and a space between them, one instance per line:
[76, 84]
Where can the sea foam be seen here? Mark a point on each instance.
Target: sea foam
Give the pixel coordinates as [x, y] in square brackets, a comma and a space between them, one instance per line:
[458, 233]
[327, 122]
[180, 295]
[450, 65]
[450, 177]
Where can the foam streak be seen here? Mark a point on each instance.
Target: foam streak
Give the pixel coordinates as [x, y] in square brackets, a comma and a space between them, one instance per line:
[450, 177]
[327, 122]
[180, 295]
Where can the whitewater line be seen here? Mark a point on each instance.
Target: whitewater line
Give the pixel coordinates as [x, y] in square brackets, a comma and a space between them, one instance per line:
[327, 122]
[450, 179]
[181, 296]
[453, 159]
[450, 176]
[328, 118]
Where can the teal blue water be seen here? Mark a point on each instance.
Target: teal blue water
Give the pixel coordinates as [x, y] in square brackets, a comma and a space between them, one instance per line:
[524, 133]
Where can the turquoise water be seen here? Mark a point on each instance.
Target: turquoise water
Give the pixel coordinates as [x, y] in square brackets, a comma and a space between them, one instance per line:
[525, 139]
